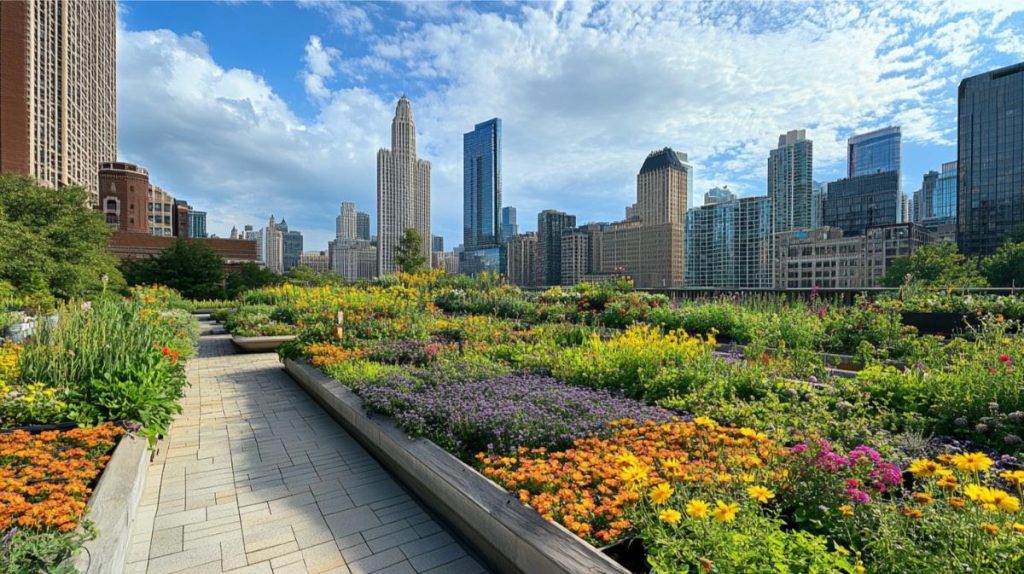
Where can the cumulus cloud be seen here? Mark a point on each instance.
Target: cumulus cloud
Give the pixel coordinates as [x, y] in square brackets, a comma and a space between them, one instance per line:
[584, 90]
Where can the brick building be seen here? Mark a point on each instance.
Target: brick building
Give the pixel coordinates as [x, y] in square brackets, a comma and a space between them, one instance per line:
[124, 196]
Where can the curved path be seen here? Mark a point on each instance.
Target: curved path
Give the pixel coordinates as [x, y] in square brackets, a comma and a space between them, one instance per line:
[255, 477]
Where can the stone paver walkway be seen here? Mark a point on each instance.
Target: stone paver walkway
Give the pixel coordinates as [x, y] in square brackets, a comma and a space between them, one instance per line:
[256, 477]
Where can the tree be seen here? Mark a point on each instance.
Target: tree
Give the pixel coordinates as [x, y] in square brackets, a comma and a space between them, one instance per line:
[409, 252]
[306, 276]
[191, 267]
[1005, 268]
[937, 264]
[51, 243]
[250, 276]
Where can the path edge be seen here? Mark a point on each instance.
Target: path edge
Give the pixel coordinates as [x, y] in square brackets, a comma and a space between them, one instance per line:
[510, 537]
[113, 507]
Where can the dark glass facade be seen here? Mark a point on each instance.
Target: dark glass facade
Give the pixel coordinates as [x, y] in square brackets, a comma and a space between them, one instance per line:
[550, 225]
[873, 152]
[856, 203]
[481, 161]
[990, 154]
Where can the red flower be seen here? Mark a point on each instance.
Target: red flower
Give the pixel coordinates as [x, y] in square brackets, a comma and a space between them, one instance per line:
[821, 312]
[1005, 359]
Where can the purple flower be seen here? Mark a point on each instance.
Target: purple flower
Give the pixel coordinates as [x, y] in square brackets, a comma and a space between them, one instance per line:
[798, 448]
[858, 496]
[887, 473]
[864, 452]
[9, 536]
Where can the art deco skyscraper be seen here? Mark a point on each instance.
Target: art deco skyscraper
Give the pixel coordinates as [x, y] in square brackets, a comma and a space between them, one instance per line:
[789, 181]
[345, 224]
[403, 190]
[58, 79]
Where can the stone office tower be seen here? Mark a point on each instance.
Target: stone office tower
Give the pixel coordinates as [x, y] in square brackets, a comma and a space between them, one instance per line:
[58, 83]
[403, 190]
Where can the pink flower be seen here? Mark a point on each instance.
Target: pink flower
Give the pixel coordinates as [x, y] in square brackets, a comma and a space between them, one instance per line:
[858, 496]
[799, 448]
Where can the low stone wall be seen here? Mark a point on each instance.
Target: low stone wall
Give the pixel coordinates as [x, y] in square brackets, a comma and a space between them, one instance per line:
[113, 507]
[510, 537]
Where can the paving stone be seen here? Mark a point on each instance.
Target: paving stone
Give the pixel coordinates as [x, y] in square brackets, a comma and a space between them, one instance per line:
[438, 557]
[375, 562]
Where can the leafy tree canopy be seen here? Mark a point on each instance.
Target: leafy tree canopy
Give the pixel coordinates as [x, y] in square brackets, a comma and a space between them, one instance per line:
[306, 276]
[250, 276]
[938, 264]
[51, 243]
[409, 252]
[191, 267]
[1005, 268]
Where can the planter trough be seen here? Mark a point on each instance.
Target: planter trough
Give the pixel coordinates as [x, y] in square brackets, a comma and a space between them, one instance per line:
[260, 344]
[509, 536]
[936, 323]
[113, 507]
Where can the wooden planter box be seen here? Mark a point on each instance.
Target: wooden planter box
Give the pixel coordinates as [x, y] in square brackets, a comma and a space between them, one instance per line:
[510, 537]
[113, 507]
[260, 344]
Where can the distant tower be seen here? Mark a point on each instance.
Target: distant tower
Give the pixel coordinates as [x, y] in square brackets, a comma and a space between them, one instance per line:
[789, 181]
[234, 232]
[662, 188]
[403, 190]
[274, 246]
[345, 224]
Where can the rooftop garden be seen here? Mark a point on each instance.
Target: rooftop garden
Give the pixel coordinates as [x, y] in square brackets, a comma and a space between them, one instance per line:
[715, 435]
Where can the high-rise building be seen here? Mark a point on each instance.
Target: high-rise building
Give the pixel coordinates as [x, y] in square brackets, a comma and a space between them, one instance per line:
[403, 190]
[346, 223]
[718, 195]
[873, 152]
[159, 211]
[924, 198]
[355, 260]
[58, 83]
[180, 219]
[790, 168]
[856, 203]
[509, 223]
[273, 247]
[662, 188]
[990, 154]
[437, 244]
[652, 255]
[124, 196]
[196, 223]
[550, 225]
[819, 191]
[362, 225]
[250, 234]
[521, 268]
[315, 260]
[944, 202]
[728, 244]
[291, 246]
[481, 185]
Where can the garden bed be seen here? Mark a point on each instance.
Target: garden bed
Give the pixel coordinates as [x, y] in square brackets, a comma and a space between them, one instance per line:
[510, 537]
[260, 344]
[113, 507]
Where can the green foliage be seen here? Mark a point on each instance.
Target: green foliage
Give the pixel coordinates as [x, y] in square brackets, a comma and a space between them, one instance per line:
[1005, 268]
[39, 552]
[306, 276]
[259, 321]
[936, 264]
[250, 276]
[409, 252]
[191, 267]
[51, 243]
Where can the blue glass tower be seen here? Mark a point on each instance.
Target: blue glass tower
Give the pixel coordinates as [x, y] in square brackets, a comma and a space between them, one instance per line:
[481, 161]
[481, 215]
[874, 152]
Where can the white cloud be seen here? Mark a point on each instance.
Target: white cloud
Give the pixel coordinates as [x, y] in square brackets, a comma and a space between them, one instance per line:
[584, 91]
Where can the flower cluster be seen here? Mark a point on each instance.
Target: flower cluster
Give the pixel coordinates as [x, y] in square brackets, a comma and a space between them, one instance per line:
[589, 487]
[45, 478]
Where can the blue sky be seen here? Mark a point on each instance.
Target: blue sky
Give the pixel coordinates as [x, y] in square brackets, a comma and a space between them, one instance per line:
[248, 109]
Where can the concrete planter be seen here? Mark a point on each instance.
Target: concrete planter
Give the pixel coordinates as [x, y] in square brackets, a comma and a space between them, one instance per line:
[113, 507]
[260, 344]
[510, 537]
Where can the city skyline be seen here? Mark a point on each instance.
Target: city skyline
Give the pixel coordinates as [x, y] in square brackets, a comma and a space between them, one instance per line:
[312, 105]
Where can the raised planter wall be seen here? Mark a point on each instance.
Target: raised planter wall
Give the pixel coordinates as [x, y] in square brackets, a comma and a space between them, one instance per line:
[260, 344]
[113, 507]
[510, 537]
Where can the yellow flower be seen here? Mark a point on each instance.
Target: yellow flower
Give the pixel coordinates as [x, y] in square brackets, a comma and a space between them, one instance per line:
[948, 482]
[924, 468]
[760, 494]
[923, 497]
[725, 512]
[911, 512]
[989, 528]
[705, 422]
[1018, 527]
[697, 508]
[846, 510]
[972, 462]
[671, 465]
[1015, 477]
[974, 491]
[670, 516]
[957, 502]
[659, 494]
[635, 475]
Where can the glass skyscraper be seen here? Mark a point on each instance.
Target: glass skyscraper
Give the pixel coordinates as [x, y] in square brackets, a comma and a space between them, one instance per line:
[509, 223]
[874, 152]
[990, 153]
[481, 161]
[790, 168]
[944, 200]
[856, 203]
